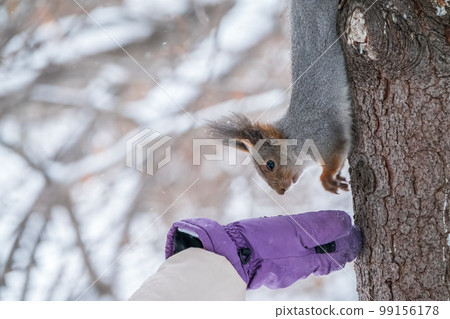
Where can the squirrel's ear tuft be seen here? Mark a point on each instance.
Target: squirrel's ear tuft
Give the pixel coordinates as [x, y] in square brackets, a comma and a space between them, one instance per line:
[237, 127]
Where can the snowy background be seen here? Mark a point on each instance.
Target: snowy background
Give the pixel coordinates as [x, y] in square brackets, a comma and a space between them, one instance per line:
[71, 211]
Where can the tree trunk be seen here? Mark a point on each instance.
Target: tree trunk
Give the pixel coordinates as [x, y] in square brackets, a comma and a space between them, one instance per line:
[398, 59]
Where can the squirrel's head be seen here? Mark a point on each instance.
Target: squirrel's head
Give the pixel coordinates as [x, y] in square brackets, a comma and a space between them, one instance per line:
[274, 160]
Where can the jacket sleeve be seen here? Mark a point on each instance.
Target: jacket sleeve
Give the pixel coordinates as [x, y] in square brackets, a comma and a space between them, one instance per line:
[193, 274]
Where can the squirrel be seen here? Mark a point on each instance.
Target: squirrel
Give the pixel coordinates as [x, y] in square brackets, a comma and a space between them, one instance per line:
[319, 107]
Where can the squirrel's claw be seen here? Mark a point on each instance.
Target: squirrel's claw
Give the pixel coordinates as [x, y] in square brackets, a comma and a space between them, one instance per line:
[343, 186]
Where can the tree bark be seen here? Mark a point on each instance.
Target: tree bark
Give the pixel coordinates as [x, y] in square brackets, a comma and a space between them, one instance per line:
[398, 60]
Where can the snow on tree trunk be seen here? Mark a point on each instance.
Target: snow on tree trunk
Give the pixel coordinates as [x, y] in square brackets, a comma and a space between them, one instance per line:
[398, 58]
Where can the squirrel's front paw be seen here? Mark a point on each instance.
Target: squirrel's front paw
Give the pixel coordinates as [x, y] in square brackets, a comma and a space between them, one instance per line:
[332, 184]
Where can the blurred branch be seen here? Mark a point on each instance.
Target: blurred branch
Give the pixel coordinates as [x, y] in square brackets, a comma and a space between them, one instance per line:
[20, 230]
[18, 151]
[102, 288]
[32, 262]
[7, 267]
[56, 282]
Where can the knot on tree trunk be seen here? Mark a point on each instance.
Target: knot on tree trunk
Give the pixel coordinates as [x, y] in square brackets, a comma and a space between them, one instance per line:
[394, 37]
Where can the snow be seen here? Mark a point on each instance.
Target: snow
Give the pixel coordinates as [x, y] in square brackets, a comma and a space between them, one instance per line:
[441, 10]
[247, 24]
[157, 8]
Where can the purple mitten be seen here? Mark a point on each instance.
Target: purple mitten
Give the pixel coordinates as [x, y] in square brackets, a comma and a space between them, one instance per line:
[277, 251]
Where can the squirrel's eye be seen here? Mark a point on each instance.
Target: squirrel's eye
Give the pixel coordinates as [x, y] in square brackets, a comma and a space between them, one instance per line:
[270, 165]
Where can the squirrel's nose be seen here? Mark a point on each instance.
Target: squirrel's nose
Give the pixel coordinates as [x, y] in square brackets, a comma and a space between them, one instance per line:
[282, 191]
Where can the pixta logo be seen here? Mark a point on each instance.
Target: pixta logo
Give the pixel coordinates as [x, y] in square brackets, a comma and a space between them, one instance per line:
[142, 148]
